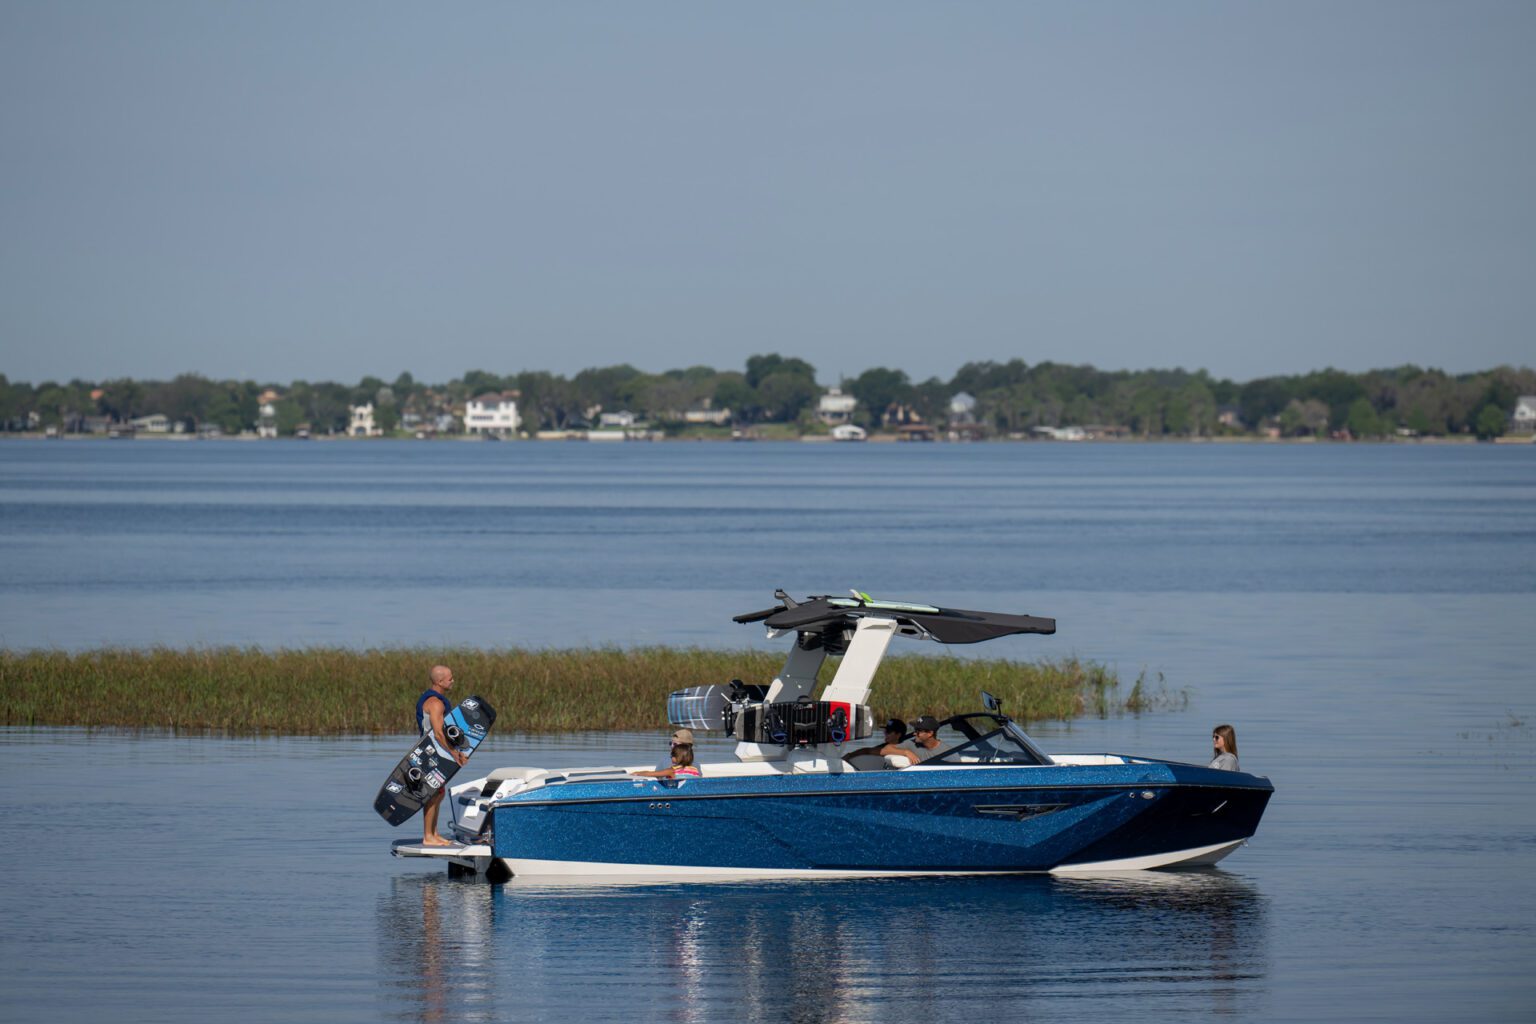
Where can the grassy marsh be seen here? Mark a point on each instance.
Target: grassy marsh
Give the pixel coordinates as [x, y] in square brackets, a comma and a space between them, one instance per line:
[336, 692]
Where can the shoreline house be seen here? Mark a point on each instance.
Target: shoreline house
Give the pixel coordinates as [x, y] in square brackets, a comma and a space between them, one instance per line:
[621, 420]
[428, 416]
[963, 425]
[962, 409]
[899, 415]
[266, 420]
[706, 413]
[362, 424]
[154, 423]
[266, 413]
[834, 407]
[492, 413]
[1524, 417]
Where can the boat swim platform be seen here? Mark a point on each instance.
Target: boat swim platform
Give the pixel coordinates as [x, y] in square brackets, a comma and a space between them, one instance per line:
[413, 848]
[462, 858]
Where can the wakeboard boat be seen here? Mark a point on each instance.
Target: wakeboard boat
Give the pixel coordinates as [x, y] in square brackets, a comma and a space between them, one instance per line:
[986, 800]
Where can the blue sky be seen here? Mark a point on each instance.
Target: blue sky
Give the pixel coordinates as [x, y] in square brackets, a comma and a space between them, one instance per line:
[302, 190]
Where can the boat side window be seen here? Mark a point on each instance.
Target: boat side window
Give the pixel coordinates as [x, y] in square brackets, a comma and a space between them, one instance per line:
[955, 732]
[998, 745]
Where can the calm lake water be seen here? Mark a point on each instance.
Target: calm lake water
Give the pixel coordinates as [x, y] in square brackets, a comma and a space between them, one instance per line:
[1362, 614]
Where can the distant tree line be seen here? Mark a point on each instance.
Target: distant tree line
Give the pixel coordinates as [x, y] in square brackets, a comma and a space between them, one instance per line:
[1010, 398]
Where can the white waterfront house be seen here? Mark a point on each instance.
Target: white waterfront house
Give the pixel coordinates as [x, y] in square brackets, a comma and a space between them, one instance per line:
[962, 409]
[362, 424]
[707, 414]
[621, 420]
[1524, 417]
[266, 420]
[492, 414]
[155, 423]
[835, 407]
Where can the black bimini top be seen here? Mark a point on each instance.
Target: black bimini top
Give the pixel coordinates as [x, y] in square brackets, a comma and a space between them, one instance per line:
[828, 617]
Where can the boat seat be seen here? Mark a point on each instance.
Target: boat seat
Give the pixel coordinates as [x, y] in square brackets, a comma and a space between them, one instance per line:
[494, 781]
[525, 774]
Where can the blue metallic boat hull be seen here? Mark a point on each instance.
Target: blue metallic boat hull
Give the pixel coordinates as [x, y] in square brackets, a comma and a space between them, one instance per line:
[1005, 819]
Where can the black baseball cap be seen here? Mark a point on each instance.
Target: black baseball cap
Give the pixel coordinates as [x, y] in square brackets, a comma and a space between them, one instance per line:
[895, 725]
[925, 723]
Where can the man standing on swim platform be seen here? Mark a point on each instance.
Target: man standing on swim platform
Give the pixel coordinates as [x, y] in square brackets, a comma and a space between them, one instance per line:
[431, 708]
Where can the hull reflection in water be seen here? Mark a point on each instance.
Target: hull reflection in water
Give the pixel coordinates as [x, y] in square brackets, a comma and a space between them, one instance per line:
[1169, 945]
[437, 948]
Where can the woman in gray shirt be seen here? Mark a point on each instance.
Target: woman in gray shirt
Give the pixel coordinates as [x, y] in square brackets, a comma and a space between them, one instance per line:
[1224, 744]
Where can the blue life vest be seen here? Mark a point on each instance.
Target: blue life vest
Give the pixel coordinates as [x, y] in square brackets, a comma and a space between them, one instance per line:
[422, 721]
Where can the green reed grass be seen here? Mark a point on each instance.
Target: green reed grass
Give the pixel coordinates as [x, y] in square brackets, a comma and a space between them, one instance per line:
[337, 692]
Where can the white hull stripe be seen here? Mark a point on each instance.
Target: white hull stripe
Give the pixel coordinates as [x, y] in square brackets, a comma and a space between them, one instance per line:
[592, 870]
[1199, 856]
[598, 870]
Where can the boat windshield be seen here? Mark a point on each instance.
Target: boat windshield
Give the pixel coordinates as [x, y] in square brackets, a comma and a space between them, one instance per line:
[984, 739]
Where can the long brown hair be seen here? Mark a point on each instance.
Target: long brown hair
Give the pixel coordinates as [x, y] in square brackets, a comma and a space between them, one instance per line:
[1228, 736]
[682, 755]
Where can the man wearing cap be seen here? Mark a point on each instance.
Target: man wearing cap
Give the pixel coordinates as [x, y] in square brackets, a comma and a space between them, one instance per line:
[895, 728]
[924, 734]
